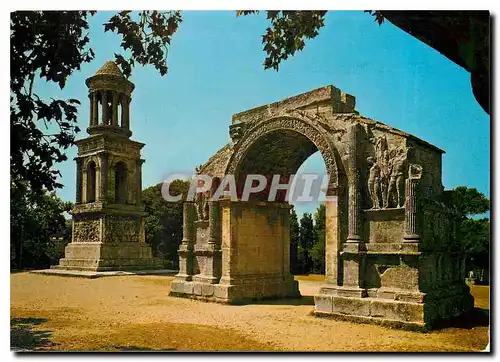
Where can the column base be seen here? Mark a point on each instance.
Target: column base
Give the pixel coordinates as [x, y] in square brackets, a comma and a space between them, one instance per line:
[91, 256]
[393, 307]
[232, 292]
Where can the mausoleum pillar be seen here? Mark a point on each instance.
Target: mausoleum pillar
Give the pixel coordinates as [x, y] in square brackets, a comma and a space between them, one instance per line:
[91, 114]
[95, 109]
[104, 102]
[125, 121]
[78, 180]
[103, 178]
[114, 118]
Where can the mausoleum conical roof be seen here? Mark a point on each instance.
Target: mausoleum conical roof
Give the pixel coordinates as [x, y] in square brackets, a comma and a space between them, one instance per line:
[110, 68]
[110, 77]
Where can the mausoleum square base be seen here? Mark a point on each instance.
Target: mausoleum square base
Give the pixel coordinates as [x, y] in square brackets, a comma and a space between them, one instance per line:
[91, 256]
[234, 294]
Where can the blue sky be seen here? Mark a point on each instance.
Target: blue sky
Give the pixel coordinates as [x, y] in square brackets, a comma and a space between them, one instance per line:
[215, 70]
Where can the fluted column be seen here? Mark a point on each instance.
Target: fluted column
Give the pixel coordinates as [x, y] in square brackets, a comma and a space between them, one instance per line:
[186, 247]
[125, 121]
[95, 109]
[78, 181]
[213, 216]
[187, 237]
[91, 114]
[103, 178]
[114, 119]
[354, 213]
[104, 102]
[412, 204]
[213, 222]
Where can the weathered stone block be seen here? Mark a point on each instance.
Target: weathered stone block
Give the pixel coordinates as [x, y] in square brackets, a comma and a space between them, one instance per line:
[323, 303]
[197, 288]
[353, 306]
[400, 311]
[386, 294]
[188, 288]
[207, 290]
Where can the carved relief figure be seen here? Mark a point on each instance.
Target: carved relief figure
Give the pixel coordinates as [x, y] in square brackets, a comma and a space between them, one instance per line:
[386, 175]
[374, 182]
[202, 207]
[396, 181]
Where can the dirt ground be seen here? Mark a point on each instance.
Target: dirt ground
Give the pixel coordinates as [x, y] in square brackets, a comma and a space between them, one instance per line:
[135, 313]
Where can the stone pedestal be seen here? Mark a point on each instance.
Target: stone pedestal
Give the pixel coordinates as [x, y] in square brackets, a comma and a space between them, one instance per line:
[392, 281]
[403, 299]
[250, 263]
[106, 257]
[108, 237]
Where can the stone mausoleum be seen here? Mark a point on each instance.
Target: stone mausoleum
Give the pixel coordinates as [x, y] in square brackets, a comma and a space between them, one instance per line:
[390, 225]
[108, 217]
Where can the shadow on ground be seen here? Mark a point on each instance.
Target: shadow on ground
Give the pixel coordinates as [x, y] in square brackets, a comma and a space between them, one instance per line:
[304, 300]
[478, 317]
[24, 338]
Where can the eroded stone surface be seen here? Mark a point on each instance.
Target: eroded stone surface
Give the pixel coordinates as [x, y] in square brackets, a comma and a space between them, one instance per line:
[391, 229]
[108, 217]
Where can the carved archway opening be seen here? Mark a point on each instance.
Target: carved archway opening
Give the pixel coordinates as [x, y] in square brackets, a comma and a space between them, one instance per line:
[91, 182]
[280, 146]
[120, 183]
[280, 152]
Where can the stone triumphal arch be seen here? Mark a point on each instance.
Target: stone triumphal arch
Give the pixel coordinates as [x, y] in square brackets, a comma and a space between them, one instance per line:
[390, 226]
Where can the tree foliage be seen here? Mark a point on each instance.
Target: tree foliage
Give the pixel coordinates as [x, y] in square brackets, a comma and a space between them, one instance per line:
[474, 233]
[318, 248]
[35, 218]
[163, 225]
[287, 33]
[470, 202]
[306, 241]
[289, 29]
[49, 45]
[147, 38]
[294, 242]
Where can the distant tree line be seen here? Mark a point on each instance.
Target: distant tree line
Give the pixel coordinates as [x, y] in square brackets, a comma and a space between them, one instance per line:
[163, 225]
[37, 223]
[307, 242]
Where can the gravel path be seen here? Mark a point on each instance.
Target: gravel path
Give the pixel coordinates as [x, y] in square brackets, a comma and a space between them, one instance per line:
[113, 302]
